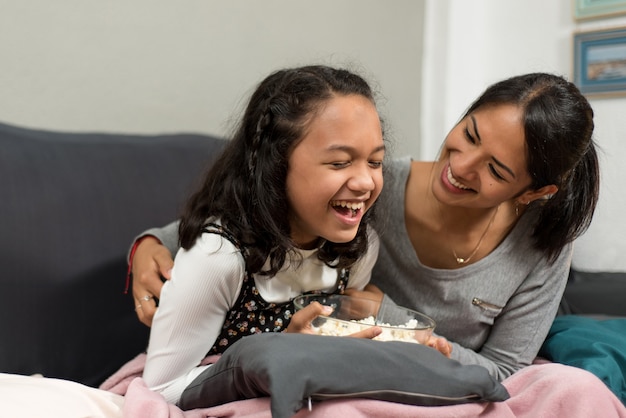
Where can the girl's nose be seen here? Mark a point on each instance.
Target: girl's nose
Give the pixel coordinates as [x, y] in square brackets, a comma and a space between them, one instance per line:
[362, 179]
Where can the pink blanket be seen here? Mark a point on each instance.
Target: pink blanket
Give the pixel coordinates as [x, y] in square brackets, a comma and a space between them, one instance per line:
[540, 390]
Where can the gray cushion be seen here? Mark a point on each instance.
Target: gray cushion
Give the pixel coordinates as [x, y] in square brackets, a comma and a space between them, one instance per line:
[293, 367]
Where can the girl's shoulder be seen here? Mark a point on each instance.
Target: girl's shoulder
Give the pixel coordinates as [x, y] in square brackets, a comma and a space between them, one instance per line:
[212, 255]
[212, 241]
[215, 228]
[216, 245]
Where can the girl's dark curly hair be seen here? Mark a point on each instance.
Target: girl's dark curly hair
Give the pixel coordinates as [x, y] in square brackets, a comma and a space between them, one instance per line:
[558, 126]
[246, 187]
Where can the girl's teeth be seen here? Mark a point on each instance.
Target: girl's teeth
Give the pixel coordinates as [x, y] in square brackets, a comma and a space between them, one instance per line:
[350, 205]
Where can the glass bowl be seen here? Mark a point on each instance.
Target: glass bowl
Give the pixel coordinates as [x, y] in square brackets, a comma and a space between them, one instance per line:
[352, 314]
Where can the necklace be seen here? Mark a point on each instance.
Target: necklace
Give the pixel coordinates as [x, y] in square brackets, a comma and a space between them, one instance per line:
[461, 260]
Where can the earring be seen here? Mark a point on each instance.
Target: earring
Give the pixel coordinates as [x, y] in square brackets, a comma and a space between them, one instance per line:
[517, 206]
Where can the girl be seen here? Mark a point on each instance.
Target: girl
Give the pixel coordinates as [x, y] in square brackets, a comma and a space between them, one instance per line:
[283, 211]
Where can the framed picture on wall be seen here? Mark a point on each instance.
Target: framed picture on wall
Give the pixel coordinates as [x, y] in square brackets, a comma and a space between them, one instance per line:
[600, 61]
[591, 9]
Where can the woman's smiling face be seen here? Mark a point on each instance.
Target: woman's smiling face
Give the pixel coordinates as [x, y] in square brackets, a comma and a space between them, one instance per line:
[335, 171]
[483, 160]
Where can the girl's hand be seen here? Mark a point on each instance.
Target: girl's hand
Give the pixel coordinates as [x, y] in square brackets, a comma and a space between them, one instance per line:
[301, 321]
[440, 344]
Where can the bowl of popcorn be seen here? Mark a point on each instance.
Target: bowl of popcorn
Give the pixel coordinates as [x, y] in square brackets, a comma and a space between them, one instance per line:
[353, 314]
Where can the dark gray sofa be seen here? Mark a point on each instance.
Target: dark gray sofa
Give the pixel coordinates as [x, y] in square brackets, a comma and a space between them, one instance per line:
[71, 204]
[596, 294]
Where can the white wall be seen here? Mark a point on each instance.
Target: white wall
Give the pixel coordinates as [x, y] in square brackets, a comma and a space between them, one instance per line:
[471, 44]
[153, 66]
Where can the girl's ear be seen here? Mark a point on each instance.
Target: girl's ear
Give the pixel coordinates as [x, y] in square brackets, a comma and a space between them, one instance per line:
[542, 193]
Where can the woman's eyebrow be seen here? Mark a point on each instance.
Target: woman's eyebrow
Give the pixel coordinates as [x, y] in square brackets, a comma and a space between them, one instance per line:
[475, 127]
[495, 160]
[503, 166]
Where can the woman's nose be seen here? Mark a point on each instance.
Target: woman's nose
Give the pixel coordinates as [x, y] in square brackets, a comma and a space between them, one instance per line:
[466, 164]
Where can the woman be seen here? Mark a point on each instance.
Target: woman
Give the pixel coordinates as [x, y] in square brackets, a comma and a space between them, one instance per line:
[483, 240]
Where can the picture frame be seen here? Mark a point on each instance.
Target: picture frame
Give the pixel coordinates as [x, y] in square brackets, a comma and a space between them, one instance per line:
[593, 9]
[600, 62]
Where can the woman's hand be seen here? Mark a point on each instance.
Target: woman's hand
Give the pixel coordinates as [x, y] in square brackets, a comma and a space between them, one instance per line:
[151, 261]
[372, 292]
[440, 344]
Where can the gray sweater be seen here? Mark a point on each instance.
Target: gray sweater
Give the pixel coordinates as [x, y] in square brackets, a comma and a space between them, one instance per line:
[497, 311]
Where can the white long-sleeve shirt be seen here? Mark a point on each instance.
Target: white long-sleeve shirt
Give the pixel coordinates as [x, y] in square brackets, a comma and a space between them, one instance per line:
[205, 283]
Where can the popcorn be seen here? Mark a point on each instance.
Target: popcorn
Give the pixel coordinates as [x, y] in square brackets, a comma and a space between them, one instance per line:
[329, 326]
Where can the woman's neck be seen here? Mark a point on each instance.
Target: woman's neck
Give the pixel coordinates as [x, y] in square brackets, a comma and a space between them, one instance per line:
[446, 236]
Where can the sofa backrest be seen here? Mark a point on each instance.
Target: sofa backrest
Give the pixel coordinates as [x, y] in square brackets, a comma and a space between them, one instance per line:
[71, 203]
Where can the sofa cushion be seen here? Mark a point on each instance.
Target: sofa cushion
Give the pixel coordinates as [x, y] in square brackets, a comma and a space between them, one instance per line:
[71, 204]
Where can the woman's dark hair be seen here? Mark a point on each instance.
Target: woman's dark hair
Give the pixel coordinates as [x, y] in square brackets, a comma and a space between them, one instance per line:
[246, 187]
[558, 126]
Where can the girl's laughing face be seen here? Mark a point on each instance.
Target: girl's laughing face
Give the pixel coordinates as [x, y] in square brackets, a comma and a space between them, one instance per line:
[335, 171]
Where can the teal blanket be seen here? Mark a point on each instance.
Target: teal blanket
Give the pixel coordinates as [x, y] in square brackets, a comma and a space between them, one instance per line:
[598, 346]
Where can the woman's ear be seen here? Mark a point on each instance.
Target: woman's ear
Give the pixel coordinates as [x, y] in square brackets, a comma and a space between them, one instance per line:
[542, 193]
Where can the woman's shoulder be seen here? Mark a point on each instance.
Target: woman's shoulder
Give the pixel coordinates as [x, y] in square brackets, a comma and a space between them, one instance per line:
[396, 173]
[400, 169]
[398, 164]
[517, 251]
